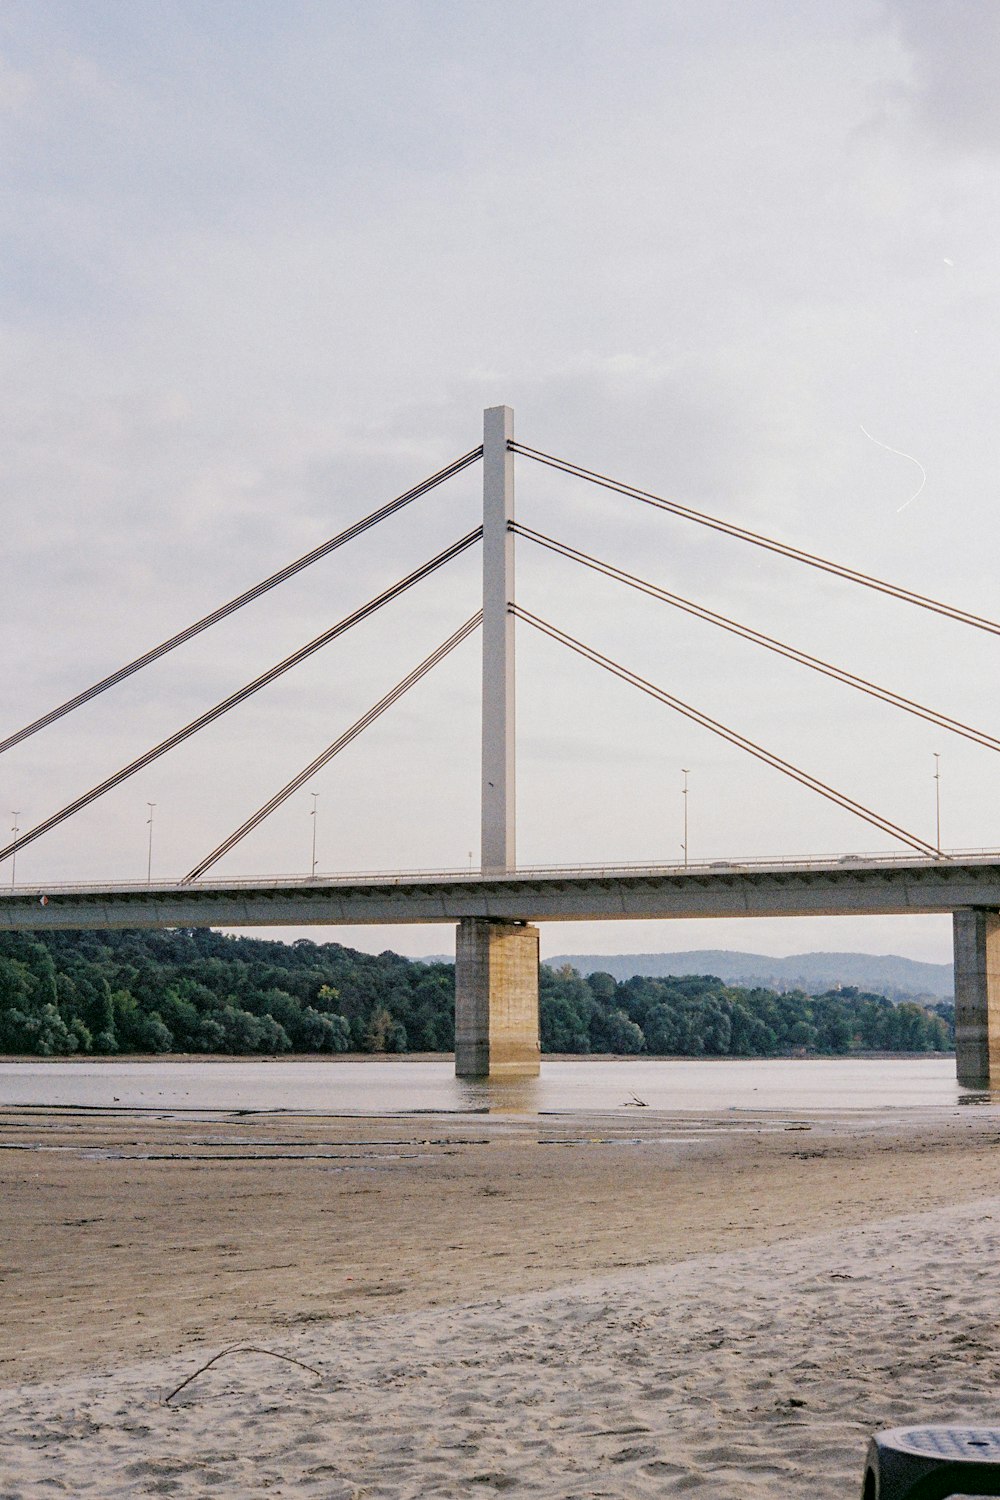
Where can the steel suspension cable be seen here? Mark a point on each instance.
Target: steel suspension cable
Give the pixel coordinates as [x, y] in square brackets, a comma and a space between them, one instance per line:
[339, 744]
[740, 741]
[224, 610]
[245, 692]
[839, 674]
[813, 560]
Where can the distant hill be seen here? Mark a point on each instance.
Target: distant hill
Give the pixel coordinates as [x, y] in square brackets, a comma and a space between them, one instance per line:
[884, 974]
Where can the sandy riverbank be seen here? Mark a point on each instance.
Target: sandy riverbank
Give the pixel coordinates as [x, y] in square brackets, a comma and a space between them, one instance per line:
[440, 1273]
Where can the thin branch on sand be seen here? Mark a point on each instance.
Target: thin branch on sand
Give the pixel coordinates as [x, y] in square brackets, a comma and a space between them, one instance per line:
[239, 1349]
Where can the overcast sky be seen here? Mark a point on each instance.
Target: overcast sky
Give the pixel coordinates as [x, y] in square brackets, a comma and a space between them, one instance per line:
[266, 264]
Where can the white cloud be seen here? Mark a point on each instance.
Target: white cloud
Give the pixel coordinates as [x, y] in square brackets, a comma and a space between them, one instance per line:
[955, 49]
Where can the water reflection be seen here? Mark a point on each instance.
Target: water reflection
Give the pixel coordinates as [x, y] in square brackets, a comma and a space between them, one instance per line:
[500, 1096]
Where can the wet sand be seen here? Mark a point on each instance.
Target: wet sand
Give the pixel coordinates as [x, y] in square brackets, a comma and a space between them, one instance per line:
[133, 1236]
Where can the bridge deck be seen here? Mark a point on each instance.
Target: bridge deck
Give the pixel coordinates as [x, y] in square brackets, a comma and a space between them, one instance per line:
[877, 885]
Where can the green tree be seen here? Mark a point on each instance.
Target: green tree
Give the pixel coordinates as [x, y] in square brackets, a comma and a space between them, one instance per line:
[619, 1034]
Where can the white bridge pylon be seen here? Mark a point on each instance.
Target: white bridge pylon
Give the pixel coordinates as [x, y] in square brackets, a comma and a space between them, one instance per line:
[499, 852]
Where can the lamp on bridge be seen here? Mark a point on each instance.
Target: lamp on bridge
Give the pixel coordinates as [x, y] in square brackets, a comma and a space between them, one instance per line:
[149, 848]
[15, 830]
[684, 794]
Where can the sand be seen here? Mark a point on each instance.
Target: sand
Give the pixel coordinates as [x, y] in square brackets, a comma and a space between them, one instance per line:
[602, 1306]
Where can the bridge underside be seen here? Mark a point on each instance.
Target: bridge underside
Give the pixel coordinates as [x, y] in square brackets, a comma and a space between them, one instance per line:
[497, 970]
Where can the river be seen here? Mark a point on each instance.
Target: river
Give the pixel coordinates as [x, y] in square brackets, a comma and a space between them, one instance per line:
[401, 1086]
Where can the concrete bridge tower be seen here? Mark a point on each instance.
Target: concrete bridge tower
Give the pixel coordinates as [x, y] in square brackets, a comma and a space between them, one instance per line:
[977, 996]
[496, 962]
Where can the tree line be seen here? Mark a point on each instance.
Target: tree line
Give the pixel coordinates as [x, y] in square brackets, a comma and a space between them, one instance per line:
[700, 1016]
[102, 993]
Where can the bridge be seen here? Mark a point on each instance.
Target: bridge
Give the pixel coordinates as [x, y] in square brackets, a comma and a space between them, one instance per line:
[495, 909]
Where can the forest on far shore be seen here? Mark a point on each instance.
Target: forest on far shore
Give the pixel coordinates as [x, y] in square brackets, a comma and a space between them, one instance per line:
[199, 991]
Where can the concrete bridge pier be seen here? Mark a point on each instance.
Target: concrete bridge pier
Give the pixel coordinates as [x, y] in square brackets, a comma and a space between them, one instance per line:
[977, 996]
[496, 999]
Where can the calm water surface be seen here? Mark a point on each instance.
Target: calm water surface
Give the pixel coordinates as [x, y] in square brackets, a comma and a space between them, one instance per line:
[401, 1086]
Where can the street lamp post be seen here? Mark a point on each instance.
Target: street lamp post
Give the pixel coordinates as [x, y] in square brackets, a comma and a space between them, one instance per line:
[937, 797]
[15, 830]
[684, 794]
[149, 846]
[315, 796]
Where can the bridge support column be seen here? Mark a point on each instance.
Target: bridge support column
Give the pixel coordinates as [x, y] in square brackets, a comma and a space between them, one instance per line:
[977, 997]
[496, 999]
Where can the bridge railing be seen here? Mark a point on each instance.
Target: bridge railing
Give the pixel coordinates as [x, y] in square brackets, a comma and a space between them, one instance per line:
[601, 871]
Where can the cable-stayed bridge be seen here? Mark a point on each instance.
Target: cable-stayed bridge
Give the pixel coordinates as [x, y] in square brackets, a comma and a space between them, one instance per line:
[494, 909]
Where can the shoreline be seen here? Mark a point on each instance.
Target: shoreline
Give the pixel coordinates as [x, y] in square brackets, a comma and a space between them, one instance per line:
[439, 1057]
